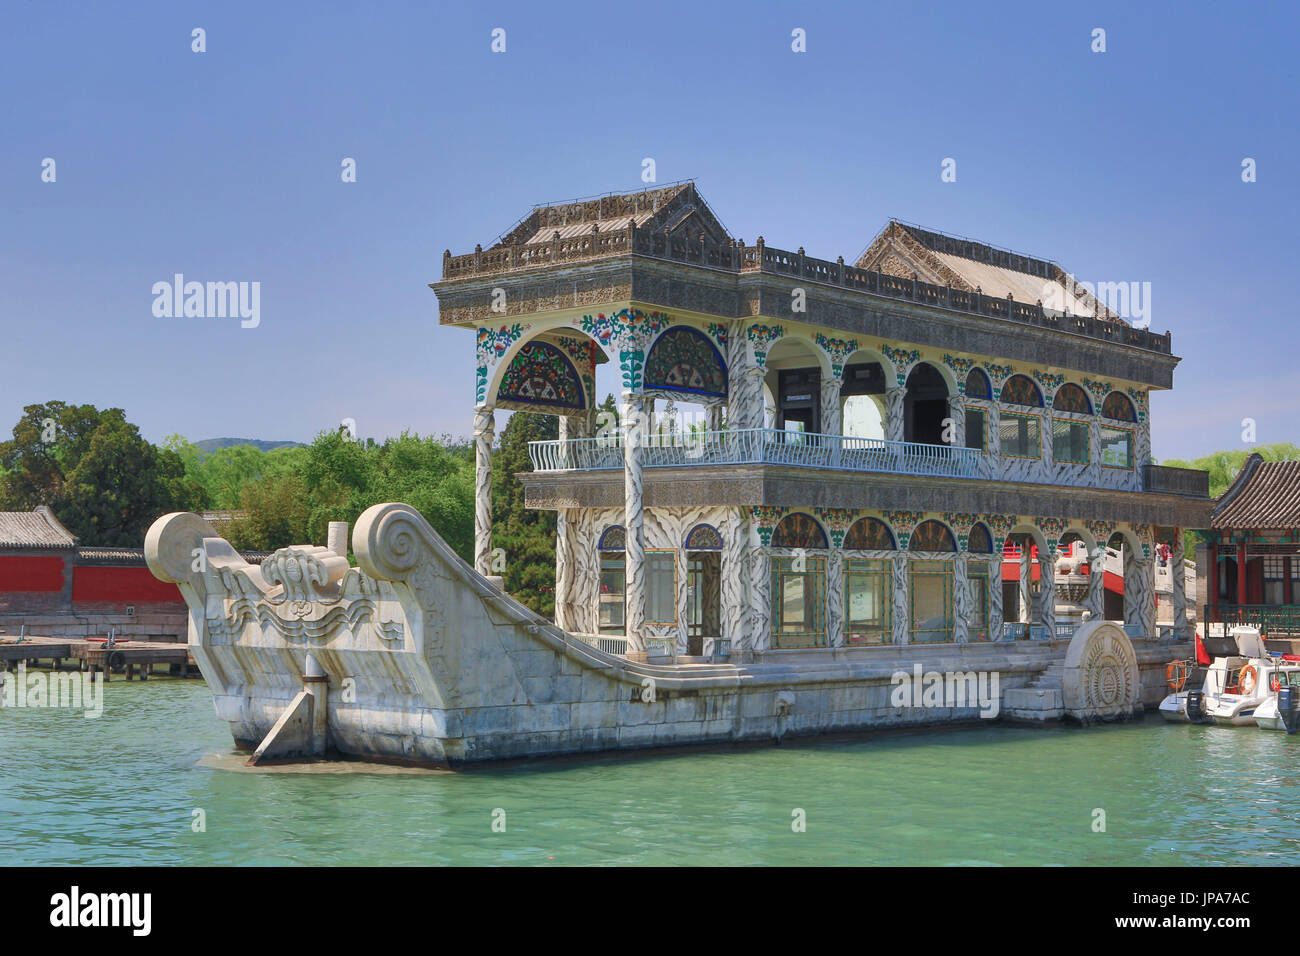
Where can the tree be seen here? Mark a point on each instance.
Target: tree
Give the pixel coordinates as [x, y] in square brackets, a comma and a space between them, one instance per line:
[47, 443]
[525, 535]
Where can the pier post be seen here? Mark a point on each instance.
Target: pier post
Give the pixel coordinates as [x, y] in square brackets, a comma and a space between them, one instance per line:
[634, 425]
[484, 431]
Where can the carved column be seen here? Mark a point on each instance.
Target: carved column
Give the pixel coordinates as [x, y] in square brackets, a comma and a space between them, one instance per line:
[957, 412]
[1047, 446]
[1139, 592]
[634, 555]
[993, 439]
[1047, 594]
[745, 381]
[1094, 453]
[961, 599]
[830, 407]
[894, 413]
[760, 618]
[484, 431]
[1141, 444]
[564, 618]
[1178, 580]
[1026, 582]
[899, 580]
[714, 420]
[835, 598]
[735, 574]
[1096, 602]
[995, 594]
[586, 573]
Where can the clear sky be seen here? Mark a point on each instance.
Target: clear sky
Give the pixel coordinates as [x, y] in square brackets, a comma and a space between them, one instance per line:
[225, 166]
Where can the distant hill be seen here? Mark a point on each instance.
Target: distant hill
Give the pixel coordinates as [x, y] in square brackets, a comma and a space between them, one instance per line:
[209, 445]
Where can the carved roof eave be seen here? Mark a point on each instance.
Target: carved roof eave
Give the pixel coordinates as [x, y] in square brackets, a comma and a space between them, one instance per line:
[753, 280]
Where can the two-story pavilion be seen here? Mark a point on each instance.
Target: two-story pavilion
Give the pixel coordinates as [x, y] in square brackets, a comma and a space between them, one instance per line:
[873, 433]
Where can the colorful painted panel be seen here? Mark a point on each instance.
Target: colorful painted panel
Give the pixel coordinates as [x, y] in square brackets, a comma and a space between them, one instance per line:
[979, 541]
[704, 537]
[798, 531]
[932, 536]
[869, 534]
[613, 539]
[684, 360]
[1117, 407]
[1021, 390]
[1071, 398]
[540, 374]
[977, 385]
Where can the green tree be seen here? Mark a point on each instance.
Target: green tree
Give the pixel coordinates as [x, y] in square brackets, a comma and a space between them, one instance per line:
[1223, 466]
[47, 443]
[526, 535]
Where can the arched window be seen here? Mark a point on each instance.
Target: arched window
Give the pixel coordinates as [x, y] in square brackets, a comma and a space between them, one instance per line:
[1021, 390]
[1117, 407]
[614, 538]
[979, 541]
[540, 374]
[932, 536]
[684, 360]
[704, 537]
[798, 531]
[977, 385]
[869, 534]
[1071, 398]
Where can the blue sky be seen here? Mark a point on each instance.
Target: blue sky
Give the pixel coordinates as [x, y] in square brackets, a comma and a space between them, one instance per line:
[225, 165]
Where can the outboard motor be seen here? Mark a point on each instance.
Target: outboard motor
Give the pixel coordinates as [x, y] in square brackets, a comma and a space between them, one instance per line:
[1288, 707]
[1196, 706]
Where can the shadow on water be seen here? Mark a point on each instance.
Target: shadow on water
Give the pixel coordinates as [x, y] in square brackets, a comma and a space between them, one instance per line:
[132, 787]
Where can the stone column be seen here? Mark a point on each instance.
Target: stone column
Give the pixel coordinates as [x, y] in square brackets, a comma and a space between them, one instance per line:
[1139, 592]
[563, 572]
[1096, 602]
[634, 434]
[1046, 441]
[1094, 453]
[1178, 580]
[484, 431]
[835, 598]
[1026, 582]
[894, 413]
[1141, 444]
[995, 594]
[957, 412]
[961, 599]
[899, 578]
[745, 381]
[831, 423]
[714, 419]
[735, 575]
[993, 439]
[1047, 595]
[760, 587]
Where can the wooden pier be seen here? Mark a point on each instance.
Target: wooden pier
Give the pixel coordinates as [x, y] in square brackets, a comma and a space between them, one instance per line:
[128, 657]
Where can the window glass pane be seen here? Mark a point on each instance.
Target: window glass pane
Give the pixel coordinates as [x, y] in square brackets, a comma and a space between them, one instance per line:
[1019, 435]
[1070, 441]
[975, 428]
[931, 605]
[798, 602]
[866, 602]
[1117, 448]
[611, 593]
[661, 587]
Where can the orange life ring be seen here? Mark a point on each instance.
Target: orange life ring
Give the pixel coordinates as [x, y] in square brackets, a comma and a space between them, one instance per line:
[1246, 684]
[1176, 676]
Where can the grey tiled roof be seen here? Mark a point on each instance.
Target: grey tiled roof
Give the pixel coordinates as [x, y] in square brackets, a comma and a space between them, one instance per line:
[34, 529]
[1265, 495]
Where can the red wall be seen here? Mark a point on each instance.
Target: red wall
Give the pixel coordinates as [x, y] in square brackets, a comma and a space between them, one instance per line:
[120, 585]
[30, 573]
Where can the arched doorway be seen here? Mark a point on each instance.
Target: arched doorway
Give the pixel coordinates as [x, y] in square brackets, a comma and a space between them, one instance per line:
[925, 406]
[703, 548]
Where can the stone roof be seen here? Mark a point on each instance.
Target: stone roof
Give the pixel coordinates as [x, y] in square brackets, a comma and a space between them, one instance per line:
[676, 209]
[903, 250]
[1264, 495]
[34, 529]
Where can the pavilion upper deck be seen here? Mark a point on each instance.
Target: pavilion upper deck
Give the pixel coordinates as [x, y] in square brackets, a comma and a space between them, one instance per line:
[541, 243]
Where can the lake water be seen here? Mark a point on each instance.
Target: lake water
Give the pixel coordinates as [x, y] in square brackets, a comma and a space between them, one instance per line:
[123, 789]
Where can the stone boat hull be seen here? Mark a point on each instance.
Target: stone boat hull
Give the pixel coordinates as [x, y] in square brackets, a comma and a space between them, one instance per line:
[414, 657]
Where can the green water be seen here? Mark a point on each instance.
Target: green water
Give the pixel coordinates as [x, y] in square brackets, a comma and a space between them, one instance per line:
[123, 790]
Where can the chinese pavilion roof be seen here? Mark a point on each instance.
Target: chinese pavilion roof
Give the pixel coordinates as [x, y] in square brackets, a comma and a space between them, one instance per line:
[1265, 495]
[34, 529]
[904, 250]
